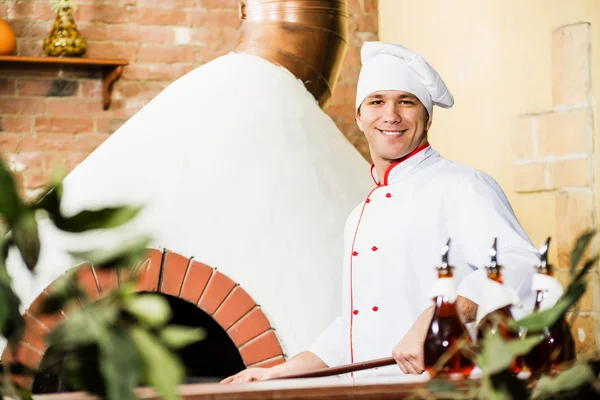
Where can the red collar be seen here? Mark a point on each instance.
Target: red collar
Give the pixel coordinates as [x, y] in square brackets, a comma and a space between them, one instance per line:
[395, 163]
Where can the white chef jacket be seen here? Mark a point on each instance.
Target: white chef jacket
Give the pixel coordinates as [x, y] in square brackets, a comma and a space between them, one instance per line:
[392, 244]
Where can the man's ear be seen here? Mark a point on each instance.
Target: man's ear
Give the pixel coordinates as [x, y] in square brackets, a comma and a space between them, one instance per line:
[428, 124]
[358, 120]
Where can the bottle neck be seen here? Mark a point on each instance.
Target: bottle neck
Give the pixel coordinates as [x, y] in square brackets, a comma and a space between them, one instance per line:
[495, 276]
[539, 296]
[445, 271]
[445, 287]
[443, 303]
[547, 270]
[494, 273]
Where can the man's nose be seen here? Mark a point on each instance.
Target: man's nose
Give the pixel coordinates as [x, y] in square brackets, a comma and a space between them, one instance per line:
[391, 114]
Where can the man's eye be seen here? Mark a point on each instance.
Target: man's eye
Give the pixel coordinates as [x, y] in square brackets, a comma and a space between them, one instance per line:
[406, 102]
[376, 102]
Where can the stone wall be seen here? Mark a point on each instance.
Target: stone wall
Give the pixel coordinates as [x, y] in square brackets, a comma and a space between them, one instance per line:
[553, 151]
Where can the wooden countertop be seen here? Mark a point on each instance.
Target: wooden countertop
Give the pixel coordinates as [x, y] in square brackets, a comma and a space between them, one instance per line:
[383, 387]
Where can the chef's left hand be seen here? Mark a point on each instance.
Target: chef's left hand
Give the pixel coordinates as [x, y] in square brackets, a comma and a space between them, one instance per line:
[409, 352]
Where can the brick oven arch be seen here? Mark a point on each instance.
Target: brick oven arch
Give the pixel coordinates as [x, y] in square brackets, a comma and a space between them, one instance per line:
[173, 274]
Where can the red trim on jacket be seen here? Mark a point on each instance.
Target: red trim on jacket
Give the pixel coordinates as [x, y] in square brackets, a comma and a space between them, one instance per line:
[395, 163]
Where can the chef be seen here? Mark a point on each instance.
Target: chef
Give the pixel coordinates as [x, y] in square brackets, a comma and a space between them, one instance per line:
[393, 238]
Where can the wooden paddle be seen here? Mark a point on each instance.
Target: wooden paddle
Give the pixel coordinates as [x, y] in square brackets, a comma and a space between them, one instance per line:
[343, 369]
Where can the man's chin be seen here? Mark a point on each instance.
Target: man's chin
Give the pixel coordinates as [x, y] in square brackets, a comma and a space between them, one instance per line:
[395, 156]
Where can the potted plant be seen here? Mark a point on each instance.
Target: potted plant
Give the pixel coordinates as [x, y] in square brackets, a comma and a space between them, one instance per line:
[110, 346]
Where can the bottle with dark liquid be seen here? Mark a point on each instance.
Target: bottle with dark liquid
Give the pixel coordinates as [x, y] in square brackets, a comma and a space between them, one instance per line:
[558, 345]
[446, 327]
[490, 321]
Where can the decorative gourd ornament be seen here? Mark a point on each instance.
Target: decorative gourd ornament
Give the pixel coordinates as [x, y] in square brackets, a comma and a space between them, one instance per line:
[8, 42]
[64, 40]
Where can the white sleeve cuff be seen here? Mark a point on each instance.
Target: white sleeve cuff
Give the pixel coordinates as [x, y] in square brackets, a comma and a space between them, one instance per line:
[329, 346]
[471, 286]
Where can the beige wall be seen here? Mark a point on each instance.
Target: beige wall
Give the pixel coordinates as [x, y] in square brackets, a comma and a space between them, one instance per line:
[524, 74]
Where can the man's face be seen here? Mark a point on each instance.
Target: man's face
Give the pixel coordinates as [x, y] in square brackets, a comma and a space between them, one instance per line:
[394, 122]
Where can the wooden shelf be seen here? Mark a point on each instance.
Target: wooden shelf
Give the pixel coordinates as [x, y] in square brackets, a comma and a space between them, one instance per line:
[111, 69]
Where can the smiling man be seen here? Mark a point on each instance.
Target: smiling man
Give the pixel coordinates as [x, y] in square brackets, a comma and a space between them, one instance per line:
[393, 238]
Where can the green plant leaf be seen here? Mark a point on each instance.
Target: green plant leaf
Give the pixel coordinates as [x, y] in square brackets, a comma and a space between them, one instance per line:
[84, 327]
[5, 244]
[57, 176]
[125, 255]
[498, 354]
[17, 368]
[15, 391]
[26, 238]
[11, 205]
[51, 198]
[162, 368]
[151, 309]
[585, 269]
[105, 218]
[490, 392]
[82, 367]
[176, 336]
[61, 293]
[507, 386]
[568, 380]
[441, 386]
[49, 202]
[538, 321]
[11, 320]
[12, 324]
[119, 364]
[579, 249]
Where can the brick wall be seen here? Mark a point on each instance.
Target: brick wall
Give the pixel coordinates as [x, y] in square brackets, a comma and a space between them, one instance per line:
[554, 152]
[171, 274]
[51, 116]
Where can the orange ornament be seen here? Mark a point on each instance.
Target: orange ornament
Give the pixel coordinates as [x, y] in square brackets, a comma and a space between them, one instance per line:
[8, 42]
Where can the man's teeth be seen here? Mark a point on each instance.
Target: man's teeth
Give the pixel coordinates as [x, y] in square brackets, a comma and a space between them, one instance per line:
[391, 133]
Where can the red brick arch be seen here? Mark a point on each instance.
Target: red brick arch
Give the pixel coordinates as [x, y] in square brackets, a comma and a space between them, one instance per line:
[173, 274]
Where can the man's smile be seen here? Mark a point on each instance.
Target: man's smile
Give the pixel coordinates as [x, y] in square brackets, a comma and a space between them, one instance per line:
[395, 132]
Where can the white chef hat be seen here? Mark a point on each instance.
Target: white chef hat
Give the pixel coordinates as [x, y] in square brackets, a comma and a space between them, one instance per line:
[387, 66]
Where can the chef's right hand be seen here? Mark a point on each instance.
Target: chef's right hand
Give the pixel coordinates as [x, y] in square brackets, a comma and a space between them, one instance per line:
[252, 374]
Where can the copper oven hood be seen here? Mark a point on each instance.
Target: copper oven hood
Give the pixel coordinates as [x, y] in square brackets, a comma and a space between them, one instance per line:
[307, 37]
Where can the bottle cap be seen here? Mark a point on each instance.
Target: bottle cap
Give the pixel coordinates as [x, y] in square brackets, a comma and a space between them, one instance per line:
[445, 268]
[493, 265]
[544, 267]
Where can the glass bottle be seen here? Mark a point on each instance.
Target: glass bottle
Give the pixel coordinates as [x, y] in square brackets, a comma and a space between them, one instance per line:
[558, 345]
[446, 327]
[64, 40]
[490, 321]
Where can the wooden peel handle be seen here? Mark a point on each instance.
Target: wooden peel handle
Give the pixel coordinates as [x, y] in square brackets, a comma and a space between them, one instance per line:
[343, 369]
